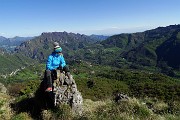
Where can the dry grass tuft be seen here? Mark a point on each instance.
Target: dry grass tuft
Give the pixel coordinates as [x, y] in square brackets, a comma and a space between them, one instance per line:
[5, 110]
[90, 106]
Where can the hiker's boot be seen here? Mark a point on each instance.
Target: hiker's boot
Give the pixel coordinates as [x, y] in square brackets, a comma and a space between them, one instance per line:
[49, 89]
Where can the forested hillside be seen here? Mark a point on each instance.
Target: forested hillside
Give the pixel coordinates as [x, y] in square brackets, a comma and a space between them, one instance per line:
[155, 49]
[12, 62]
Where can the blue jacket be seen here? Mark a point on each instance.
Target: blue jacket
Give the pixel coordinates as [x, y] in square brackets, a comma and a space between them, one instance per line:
[54, 61]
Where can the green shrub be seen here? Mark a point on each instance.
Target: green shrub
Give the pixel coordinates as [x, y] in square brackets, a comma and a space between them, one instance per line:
[15, 88]
[62, 112]
[31, 87]
[102, 88]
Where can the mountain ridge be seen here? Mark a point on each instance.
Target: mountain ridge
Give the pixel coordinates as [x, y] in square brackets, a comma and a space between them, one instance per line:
[134, 50]
[10, 43]
[41, 46]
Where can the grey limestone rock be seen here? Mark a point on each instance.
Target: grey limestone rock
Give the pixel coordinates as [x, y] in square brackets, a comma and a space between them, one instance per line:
[3, 89]
[121, 97]
[65, 92]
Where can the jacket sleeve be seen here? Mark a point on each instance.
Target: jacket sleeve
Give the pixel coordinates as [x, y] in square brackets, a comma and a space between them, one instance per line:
[49, 63]
[63, 63]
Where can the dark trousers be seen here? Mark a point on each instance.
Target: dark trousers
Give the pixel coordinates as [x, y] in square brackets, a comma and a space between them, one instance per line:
[51, 75]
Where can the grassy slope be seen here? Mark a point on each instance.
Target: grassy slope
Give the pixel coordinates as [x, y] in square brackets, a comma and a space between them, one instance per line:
[10, 62]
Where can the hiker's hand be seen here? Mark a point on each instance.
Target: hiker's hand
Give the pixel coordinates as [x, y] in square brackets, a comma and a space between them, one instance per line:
[60, 68]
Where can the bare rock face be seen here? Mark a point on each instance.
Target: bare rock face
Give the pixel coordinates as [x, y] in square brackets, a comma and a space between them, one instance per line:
[3, 89]
[65, 92]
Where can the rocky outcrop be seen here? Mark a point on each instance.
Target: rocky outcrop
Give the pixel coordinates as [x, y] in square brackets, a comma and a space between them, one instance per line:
[3, 89]
[65, 92]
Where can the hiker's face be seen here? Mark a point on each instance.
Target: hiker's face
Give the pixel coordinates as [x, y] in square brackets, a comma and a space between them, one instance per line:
[59, 53]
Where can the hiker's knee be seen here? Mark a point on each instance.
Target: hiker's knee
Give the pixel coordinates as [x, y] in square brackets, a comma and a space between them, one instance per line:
[48, 72]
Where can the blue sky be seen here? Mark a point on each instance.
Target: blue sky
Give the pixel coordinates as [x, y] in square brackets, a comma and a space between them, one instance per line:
[107, 17]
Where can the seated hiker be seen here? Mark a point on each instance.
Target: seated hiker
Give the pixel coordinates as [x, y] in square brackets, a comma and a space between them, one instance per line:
[55, 61]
